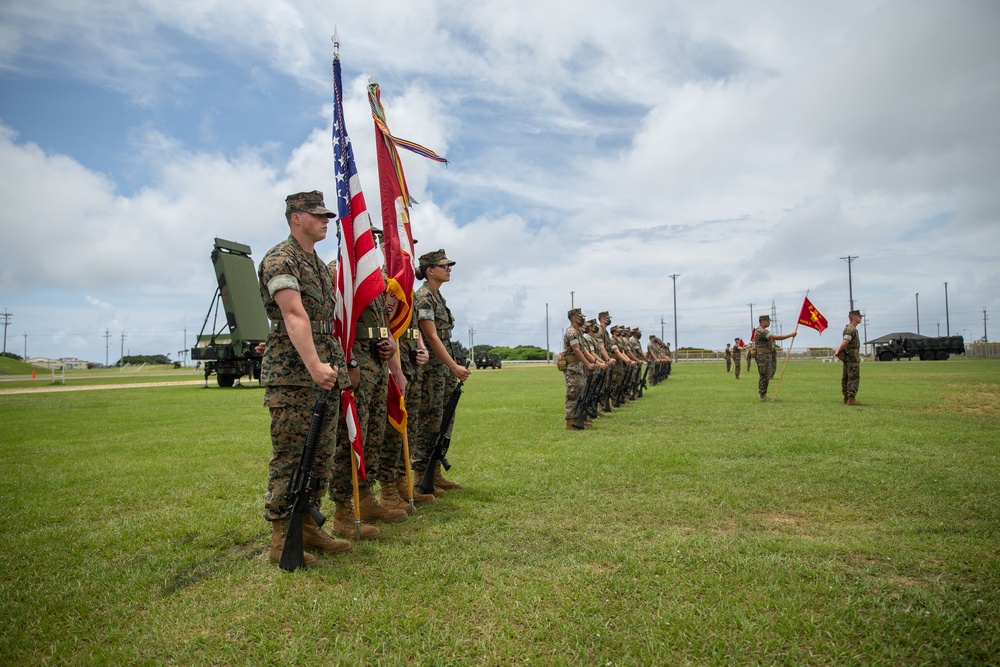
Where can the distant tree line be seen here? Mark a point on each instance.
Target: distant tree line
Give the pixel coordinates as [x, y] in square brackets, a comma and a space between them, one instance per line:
[11, 355]
[148, 359]
[519, 353]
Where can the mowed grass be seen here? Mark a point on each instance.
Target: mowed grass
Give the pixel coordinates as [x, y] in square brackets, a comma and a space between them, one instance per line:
[694, 526]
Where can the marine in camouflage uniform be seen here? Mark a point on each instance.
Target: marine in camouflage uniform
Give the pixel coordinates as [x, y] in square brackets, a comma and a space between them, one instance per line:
[372, 351]
[738, 356]
[301, 360]
[412, 356]
[764, 350]
[577, 365]
[850, 353]
[438, 376]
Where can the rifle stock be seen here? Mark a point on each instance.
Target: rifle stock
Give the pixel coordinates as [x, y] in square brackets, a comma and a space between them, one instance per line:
[300, 488]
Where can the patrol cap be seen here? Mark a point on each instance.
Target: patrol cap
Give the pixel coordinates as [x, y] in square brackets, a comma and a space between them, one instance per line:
[764, 317]
[592, 323]
[603, 314]
[310, 202]
[436, 257]
[857, 313]
[572, 312]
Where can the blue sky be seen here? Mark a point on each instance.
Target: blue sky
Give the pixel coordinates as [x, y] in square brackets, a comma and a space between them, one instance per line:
[596, 151]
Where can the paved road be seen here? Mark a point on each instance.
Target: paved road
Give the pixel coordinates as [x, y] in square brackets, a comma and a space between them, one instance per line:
[86, 387]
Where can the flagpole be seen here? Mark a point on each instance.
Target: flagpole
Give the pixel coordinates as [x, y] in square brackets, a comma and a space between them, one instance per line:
[788, 354]
[409, 473]
[354, 485]
[785, 365]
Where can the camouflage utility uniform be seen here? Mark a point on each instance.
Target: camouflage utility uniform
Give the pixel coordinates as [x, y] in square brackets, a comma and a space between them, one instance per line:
[370, 402]
[434, 381]
[738, 358]
[394, 439]
[764, 351]
[851, 377]
[289, 390]
[576, 372]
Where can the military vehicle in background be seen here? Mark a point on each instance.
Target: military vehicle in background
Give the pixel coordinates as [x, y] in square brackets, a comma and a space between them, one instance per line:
[485, 360]
[232, 354]
[909, 345]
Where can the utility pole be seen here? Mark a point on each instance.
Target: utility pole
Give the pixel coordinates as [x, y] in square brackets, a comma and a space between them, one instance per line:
[985, 338]
[947, 321]
[850, 281]
[918, 313]
[548, 356]
[674, 277]
[107, 337]
[6, 321]
[661, 328]
[472, 344]
[752, 325]
[571, 304]
[121, 359]
[26, 345]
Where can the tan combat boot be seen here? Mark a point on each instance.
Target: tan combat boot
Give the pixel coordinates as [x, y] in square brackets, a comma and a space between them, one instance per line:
[442, 483]
[853, 401]
[343, 523]
[388, 497]
[419, 475]
[372, 511]
[313, 536]
[278, 529]
[417, 496]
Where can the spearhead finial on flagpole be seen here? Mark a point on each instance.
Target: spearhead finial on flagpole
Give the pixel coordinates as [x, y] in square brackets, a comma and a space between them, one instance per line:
[335, 38]
[372, 80]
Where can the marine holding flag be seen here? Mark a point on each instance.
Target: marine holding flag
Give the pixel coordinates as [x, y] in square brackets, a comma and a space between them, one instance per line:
[438, 376]
[299, 356]
[359, 282]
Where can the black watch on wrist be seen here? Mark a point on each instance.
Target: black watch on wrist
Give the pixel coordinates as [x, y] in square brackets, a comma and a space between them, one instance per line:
[353, 363]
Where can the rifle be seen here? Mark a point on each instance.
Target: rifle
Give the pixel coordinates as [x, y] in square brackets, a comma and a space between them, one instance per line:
[441, 442]
[642, 383]
[586, 397]
[303, 484]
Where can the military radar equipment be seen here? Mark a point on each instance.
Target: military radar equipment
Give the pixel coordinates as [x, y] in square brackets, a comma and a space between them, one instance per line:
[232, 355]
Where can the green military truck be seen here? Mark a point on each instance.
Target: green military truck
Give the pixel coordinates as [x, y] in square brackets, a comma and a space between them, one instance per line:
[229, 348]
[909, 345]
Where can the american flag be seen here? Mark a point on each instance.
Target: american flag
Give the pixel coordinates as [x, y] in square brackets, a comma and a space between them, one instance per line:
[359, 269]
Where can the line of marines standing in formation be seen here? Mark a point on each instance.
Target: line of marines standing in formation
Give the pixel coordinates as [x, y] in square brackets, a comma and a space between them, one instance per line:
[605, 366]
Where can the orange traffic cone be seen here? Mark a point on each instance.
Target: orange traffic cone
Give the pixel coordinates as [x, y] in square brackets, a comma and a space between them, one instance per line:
[32, 375]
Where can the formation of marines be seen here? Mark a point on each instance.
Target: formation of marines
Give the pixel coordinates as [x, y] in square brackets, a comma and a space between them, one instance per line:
[605, 366]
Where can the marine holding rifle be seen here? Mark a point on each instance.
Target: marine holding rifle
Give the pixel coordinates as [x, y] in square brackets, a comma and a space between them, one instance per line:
[441, 373]
[302, 359]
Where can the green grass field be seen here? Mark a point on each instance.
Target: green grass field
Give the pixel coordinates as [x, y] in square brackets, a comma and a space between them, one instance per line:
[694, 526]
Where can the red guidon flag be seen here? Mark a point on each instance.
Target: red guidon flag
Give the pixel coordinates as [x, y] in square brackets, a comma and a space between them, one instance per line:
[395, 198]
[810, 317]
[396, 406]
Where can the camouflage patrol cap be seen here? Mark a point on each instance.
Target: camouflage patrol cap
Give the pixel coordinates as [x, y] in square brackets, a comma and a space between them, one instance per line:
[309, 202]
[764, 317]
[601, 315]
[574, 312]
[856, 313]
[437, 257]
[592, 323]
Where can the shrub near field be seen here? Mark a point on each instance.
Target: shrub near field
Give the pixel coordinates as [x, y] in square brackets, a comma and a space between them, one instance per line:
[694, 526]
